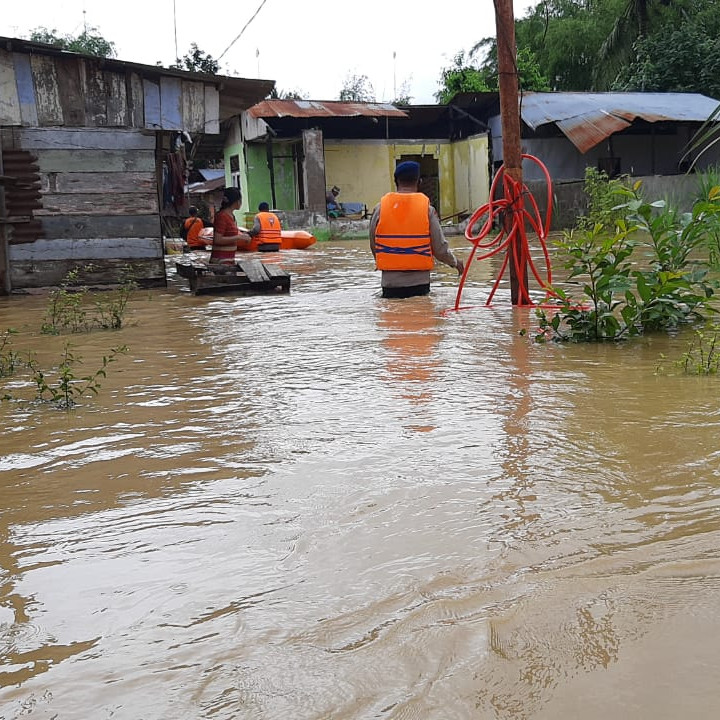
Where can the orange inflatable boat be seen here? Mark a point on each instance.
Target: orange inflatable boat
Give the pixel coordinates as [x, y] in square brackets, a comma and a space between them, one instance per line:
[290, 240]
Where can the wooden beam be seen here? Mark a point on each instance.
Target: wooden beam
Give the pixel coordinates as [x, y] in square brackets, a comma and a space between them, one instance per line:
[512, 151]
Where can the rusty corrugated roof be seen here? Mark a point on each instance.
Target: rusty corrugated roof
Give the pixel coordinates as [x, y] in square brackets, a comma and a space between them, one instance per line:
[587, 119]
[325, 108]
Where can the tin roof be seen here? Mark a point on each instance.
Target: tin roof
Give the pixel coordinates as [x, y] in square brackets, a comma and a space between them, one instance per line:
[587, 119]
[324, 108]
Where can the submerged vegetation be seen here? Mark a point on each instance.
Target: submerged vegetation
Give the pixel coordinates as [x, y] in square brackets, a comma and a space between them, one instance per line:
[642, 266]
[73, 308]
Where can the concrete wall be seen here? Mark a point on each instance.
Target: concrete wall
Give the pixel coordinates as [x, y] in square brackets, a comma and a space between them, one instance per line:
[471, 183]
[360, 168]
[570, 200]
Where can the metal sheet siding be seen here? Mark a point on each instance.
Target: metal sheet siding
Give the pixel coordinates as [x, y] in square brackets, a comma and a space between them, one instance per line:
[589, 118]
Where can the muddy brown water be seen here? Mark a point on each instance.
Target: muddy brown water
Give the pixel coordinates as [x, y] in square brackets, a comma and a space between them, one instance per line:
[330, 505]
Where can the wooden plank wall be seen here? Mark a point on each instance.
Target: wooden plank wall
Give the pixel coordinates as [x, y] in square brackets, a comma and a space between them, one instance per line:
[78, 92]
[99, 206]
[94, 132]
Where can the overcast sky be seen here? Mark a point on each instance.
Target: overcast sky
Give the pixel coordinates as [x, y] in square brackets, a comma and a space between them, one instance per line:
[311, 46]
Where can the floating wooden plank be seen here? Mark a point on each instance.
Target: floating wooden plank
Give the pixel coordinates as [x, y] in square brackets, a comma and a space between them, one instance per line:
[102, 226]
[212, 110]
[151, 101]
[141, 183]
[253, 269]
[34, 274]
[9, 100]
[207, 279]
[69, 75]
[105, 203]
[171, 105]
[126, 248]
[25, 89]
[108, 161]
[193, 107]
[84, 139]
[49, 109]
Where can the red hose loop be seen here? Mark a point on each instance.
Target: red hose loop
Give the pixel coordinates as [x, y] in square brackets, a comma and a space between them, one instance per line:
[513, 214]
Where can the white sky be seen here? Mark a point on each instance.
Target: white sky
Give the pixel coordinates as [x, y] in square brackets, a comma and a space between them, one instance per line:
[307, 45]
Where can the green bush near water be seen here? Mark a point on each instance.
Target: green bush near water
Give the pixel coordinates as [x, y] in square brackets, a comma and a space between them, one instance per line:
[72, 307]
[638, 265]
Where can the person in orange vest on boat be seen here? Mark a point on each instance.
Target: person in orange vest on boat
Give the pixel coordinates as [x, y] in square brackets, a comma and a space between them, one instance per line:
[226, 233]
[191, 230]
[406, 236]
[266, 228]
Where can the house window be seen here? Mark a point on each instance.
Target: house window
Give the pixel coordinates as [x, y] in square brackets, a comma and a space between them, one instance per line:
[235, 171]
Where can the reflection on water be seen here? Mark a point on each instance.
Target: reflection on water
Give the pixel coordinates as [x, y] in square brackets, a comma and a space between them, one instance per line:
[333, 505]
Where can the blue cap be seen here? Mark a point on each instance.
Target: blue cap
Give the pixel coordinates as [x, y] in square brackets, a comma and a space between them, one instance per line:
[408, 169]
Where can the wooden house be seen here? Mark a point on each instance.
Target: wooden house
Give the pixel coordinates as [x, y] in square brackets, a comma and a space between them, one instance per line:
[94, 155]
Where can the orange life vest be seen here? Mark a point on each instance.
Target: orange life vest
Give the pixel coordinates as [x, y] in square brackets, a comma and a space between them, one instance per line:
[193, 226]
[269, 228]
[402, 237]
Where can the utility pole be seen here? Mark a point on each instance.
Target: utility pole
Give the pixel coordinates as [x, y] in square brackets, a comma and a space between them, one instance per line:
[512, 152]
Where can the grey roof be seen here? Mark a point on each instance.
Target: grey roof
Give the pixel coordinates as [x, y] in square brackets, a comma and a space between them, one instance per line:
[589, 118]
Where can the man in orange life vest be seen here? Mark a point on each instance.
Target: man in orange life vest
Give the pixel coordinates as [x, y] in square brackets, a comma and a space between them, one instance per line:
[405, 236]
[267, 229]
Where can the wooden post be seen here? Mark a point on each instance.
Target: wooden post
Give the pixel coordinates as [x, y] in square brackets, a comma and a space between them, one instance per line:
[510, 120]
[5, 284]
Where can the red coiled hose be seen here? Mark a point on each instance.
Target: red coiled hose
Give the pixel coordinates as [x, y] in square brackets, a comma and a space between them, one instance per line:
[513, 236]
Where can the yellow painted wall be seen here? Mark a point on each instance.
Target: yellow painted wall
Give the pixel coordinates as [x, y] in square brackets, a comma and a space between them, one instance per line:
[363, 170]
[472, 184]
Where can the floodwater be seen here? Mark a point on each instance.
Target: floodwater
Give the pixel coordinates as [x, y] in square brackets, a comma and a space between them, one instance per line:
[330, 505]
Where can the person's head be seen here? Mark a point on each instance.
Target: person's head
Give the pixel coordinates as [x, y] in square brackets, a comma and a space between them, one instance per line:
[407, 174]
[192, 211]
[231, 197]
[335, 190]
[263, 207]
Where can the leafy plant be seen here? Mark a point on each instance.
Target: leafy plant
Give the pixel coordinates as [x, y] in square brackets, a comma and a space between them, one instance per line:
[603, 261]
[702, 355]
[111, 309]
[624, 295]
[68, 309]
[65, 388]
[602, 193]
[9, 358]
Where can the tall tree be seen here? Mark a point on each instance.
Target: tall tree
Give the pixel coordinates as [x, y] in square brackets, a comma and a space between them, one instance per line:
[196, 60]
[89, 41]
[637, 19]
[679, 57]
[357, 88]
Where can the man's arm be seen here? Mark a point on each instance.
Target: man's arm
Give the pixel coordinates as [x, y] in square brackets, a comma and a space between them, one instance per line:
[374, 218]
[255, 229]
[440, 248]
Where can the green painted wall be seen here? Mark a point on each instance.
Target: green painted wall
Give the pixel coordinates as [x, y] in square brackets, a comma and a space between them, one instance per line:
[258, 172]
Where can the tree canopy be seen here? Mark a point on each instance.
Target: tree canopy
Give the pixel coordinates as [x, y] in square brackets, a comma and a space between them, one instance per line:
[357, 88]
[596, 45]
[89, 41]
[196, 60]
